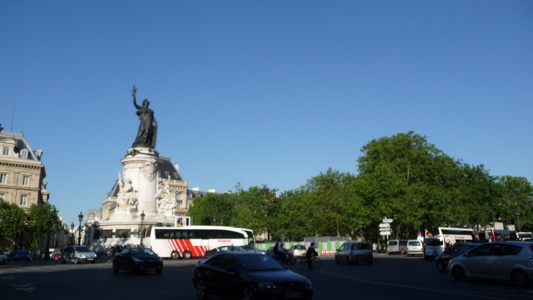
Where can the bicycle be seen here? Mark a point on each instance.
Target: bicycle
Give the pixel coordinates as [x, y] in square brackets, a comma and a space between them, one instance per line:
[315, 263]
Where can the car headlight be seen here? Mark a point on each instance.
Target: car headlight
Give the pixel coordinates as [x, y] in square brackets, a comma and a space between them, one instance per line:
[267, 285]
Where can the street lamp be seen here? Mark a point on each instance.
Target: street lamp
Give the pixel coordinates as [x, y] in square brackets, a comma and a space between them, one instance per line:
[80, 218]
[142, 221]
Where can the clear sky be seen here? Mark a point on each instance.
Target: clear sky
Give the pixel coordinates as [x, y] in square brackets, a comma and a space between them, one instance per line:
[263, 92]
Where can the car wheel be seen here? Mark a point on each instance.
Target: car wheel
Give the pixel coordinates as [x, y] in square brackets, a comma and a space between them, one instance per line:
[337, 261]
[76, 261]
[63, 261]
[520, 278]
[187, 254]
[158, 271]
[441, 266]
[459, 274]
[201, 290]
[115, 267]
[175, 255]
[348, 260]
[248, 294]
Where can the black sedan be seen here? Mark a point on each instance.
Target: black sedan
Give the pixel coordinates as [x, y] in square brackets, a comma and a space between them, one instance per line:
[220, 249]
[248, 275]
[451, 252]
[136, 260]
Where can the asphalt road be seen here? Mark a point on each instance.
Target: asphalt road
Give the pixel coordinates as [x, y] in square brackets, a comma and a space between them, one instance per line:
[390, 277]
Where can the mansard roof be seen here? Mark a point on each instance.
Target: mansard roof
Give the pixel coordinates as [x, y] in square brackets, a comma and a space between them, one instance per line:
[20, 144]
[166, 169]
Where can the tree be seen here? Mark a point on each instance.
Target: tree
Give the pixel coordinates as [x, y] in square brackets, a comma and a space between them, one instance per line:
[42, 220]
[12, 224]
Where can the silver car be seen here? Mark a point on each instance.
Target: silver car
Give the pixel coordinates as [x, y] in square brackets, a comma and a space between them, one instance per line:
[414, 247]
[510, 260]
[78, 254]
[354, 252]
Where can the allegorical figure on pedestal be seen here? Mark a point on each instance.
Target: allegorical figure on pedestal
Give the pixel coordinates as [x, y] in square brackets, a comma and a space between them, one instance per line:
[147, 134]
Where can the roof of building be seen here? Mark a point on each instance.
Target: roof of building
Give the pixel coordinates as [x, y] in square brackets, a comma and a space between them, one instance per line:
[20, 145]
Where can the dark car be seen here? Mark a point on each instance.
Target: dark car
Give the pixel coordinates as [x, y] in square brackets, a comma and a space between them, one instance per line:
[248, 275]
[136, 260]
[19, 255]
[220, 249]
[451, 252]
[3, 258]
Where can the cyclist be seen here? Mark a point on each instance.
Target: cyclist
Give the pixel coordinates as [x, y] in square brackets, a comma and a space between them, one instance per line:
[309, 255]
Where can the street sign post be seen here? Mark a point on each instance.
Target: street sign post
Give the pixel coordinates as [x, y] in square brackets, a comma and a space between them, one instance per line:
[384, 233]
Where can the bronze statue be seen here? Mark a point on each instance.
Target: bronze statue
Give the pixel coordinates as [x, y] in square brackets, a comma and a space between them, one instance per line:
[147, 134]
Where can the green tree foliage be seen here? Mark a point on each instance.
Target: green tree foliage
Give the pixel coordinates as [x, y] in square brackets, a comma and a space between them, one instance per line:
[13, 220]
[42, 220]
[403, 177]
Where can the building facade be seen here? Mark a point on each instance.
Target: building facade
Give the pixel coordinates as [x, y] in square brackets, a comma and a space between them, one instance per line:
[21, 172]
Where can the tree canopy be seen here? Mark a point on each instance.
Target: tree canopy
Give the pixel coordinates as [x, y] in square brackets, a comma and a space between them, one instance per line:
[402, 177]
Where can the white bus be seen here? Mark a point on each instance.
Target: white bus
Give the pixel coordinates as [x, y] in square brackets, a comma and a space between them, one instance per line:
[452, 235]
[195, 240]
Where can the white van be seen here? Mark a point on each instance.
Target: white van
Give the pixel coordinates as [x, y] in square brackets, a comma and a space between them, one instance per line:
[414, 247]
[397, 246]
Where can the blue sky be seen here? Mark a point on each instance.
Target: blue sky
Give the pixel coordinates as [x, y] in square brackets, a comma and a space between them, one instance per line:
[263, 92]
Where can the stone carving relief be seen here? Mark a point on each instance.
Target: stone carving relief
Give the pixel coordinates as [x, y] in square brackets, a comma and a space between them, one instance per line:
[149, 170]
[165, 200]
[127, 196]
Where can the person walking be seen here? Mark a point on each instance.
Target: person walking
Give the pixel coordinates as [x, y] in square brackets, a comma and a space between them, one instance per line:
[309, 255]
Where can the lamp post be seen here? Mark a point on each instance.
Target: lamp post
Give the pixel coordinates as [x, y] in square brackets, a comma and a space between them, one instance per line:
[80, 218]
[142, 223]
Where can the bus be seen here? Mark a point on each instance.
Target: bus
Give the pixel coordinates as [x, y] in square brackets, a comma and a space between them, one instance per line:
[452, 235]
[195, 240]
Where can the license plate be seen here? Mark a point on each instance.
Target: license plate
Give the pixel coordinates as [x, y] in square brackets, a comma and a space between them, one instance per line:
[294, 295]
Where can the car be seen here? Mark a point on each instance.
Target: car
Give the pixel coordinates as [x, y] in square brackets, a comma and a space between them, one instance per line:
[57, 256]
[216, 250]
[297, 251]
[78, 254]
[248, 275]
[457, 249]
[396, 246]
[414, 247]
[3, 258]
[508, 261]
[433, 246]
[250, 248]
[354, 252]
[138, 260]
[19, 255]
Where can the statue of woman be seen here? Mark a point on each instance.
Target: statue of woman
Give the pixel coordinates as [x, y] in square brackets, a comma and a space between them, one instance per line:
[146, 136]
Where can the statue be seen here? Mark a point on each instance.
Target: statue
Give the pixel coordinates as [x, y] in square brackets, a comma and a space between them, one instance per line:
[147, 134]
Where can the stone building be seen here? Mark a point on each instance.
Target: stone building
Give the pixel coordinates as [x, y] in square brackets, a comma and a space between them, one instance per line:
[21, 172]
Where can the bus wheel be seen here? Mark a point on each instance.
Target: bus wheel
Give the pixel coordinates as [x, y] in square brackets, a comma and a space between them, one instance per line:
[174, 255]
[187, 254]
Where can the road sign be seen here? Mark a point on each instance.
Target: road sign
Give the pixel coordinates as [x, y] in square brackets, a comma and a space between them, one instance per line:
[384, 229]
[384, 225]
[385, 233]
[387, 220]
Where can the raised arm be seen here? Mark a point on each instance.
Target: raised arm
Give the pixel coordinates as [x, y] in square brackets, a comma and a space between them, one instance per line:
[133, 94]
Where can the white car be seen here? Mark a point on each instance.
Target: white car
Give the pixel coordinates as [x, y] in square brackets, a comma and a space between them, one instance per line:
[78, 254]
[510, 260]
[414, 247]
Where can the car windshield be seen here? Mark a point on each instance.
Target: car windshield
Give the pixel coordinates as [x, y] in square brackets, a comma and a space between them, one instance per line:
[414, 243]
[299, 247]
[142, 251]
[82, 249]
[259, 263]
[360, 246]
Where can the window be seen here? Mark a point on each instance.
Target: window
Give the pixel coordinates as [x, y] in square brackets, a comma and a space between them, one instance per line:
[5, 151]
[2, 197]
[3, 178]
[24, 153]
[25, 180]
[24, 200]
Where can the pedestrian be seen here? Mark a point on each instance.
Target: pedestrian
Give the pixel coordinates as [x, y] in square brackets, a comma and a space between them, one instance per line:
[374, 247]
[309, 255]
